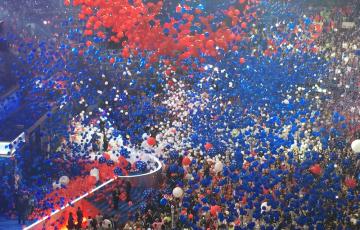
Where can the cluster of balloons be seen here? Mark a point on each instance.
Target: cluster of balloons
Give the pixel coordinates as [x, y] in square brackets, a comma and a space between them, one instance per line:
[189, 34]
[244, 87]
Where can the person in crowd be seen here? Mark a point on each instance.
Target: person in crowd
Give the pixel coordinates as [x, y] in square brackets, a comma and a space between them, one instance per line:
[129, 226]
[149, 219]
[71, 222]
[157, 225]
[115, 198]
[94, 223]
[19, 205]
[99, 218]
[128, 190]
[115, 221]
[79, 215]
[88, 222]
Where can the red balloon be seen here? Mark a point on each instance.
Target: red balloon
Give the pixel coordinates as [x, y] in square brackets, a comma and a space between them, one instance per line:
[191, 216]
[88, 32]
[151, 141]
[242, 60]
[242, 1]
[88, 43]
[107, 156]
[122, 161]
[214, 210]
[350, 182]
[316, 169]
[208, 146]
[112, 60]
[186, 161]
[91, 180]
[210, 44]
[243, 25]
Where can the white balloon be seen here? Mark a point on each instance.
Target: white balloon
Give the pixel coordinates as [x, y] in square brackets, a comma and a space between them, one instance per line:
[144, 136]
[218, 167]
[265, 207]
[56, 185]
[95, 172]
[64, 180]
[106, 223]
[178, 192]
[353, 221]
[355, 146]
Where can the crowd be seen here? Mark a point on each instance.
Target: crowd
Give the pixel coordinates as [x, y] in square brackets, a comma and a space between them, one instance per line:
[267, 192]
[253, 127]
[96, 222]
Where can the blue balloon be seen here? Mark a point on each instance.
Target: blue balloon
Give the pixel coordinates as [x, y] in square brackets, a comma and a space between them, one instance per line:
[163, 201]
[141, 166]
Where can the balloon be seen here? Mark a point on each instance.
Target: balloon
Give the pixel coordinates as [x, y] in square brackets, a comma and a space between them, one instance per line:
[355, 146]
[56, 185]
[107, 156]
[208, 146]
[151, 141]
[316, 169]
[215, 209]
[106, 223]
[64, 180]
[350, 182]
[163, 201]
[102, 160]
[242, 60]
[91, 180]
[144, 136]
[141, 166]
[210, 44]
[186, 161]
[218, 167]
[178, 192]
[95, 172]
[265, 207]
[235, 133]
